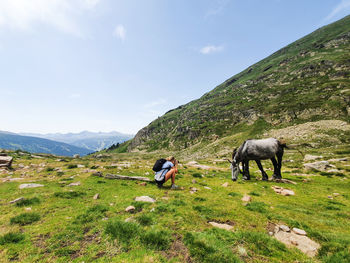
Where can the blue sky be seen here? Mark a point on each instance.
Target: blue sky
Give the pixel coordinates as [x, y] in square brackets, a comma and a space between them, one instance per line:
[102, 65]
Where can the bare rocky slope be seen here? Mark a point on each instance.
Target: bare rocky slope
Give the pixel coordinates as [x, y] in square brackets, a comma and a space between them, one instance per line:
[305, 81]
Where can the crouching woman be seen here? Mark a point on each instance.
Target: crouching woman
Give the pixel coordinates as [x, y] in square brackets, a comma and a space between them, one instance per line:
[169, 170]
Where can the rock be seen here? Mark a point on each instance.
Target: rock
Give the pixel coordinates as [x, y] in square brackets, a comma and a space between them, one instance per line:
[23, 186]
[192, 163]
[242, 251]
[74, 184]
[333, 171]
[222, 226]
[194, 181]
[17, 200]
[130, 209]
[96, 196]
[143, 184]
[309, 157]
[284, 228]
[339, 160]
[76, 156]
[225, 184]
[28, 209]
[145, 199]
[246, 198]
[336, 194]
[194, 189]
[99, 174]
[207, 187]
[303, 243]
[6, 161]
[321, 166]
[299, 231]
[80, 166]
[282, 191]
[146, 173]
[285, 181]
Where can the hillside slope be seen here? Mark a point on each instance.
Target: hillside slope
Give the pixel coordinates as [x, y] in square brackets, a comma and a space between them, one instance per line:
[307, 80]
[38, 145]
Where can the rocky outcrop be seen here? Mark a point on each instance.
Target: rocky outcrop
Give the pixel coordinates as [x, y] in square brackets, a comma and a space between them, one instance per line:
[6, 161]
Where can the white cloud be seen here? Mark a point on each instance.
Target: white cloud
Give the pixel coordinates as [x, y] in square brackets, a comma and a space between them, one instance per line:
[344, 5]
[211, 49]
[25, 15]
[120, 32]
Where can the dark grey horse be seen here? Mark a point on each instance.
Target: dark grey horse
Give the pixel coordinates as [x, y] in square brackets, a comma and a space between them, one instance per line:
[258, 150]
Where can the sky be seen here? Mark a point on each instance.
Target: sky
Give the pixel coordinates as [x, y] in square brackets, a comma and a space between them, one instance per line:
[103, 65]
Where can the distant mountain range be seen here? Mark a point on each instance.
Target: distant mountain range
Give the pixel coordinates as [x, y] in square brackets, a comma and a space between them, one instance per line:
[61, 144]
[93, 141]
[31, 144]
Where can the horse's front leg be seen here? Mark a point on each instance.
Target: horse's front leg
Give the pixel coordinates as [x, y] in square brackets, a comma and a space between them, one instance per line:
[246, 175]
[264, 175]
[276, 174]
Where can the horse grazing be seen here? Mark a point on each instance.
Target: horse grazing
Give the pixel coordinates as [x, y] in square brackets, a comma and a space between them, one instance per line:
[258, 150]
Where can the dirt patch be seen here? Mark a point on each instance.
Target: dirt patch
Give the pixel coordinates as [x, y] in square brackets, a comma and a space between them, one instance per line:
[178, 249]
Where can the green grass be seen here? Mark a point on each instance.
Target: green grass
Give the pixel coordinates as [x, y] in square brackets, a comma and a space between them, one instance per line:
[28, 202]
[25, 219]
[11, 238]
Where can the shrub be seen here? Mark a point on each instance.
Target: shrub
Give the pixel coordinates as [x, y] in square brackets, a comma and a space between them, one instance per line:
[125, 232]
[233, 194]
[49, 169]
[25, 219]
[156, 239]
[72, 166]
[200, 199]
[27, 202]
[11, 238]
[254, 193]
[197, 175]
[69, 195]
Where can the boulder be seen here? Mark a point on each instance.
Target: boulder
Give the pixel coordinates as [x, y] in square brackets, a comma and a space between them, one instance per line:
[222, 226]
[299, 231]
[321, 166]
[309, 157]
[130, 209]
[23, 186]
[246, 198]
[6, 161]
[99, 174]
[96, 196]
[145, 199]
[282, 191]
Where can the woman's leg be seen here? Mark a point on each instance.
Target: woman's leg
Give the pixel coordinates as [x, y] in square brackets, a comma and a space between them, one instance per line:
[171, 174]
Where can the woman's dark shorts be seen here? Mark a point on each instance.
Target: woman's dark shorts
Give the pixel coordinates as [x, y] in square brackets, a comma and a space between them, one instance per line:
[160, 183]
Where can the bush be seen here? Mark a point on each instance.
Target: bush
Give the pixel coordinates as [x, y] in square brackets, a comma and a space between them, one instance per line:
[27, 202]
[254, 193]
[49, 169]
[69, 195]
[72, 166]
[25, 219]
[11, 238]
[156, 239]
[197, 175]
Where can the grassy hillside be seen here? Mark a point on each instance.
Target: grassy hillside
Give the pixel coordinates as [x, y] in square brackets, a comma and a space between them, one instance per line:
[39, 145]
[305, 81]
[62, 223]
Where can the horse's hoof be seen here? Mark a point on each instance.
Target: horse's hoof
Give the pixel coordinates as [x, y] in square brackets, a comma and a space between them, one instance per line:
[265, 179]
[234, 180]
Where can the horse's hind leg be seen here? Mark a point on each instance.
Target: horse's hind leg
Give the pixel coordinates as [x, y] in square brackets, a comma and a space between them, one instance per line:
[276, 174]
[264, 175]
[279, 160]
[246, 175]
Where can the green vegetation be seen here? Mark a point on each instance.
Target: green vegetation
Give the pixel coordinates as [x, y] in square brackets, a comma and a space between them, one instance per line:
[25, 218]
[11, 238]
[28, 202]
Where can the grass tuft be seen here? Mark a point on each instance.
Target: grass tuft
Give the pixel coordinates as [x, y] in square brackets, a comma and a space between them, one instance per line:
[27, 202]
[11, 238]
[25, 219]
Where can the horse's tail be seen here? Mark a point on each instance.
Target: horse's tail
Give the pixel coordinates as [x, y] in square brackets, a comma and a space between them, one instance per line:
[283, 144]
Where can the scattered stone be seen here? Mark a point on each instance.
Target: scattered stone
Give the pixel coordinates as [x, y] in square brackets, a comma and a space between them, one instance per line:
[285, 181]
[130, 209]
[333, 171]
[321, 166]
[222, 226]
[282, 191]
[146, 173]
[80, 166]
[6, 161]
[225, 184]
[194, 181]
[99, 174]
[207, 187]
[10, 179]
[336, 194]
[284, 228]
[302, 242]
[17, 200]
[76, 156]
[299, 231]
[339, 160]
[145, 199]
[28, 209]
[143, 184]
[246, 198]
[74, 184]
[23, 186]
[96, 196]
[193, 190]
[242, 251]
[309, 157]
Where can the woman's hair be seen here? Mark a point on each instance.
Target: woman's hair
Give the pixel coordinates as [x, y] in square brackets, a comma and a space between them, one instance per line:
[170, 158]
